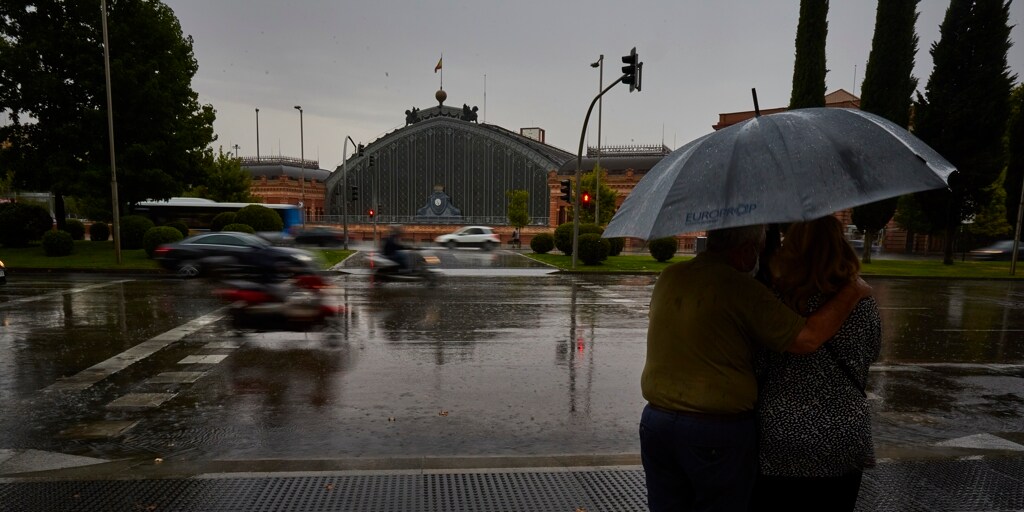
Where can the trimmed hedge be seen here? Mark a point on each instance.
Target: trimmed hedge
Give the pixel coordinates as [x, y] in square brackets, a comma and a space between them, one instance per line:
[615, 246]
[20, 223]
[133, 230]
[99, 232]
[542, 243]
[663, 249]
[563, 235]
[593, 249]
[58, 243]
[239, 227]
[155, 237]
[260, 218]
[76, 228]
[222, 219]
[180, 226]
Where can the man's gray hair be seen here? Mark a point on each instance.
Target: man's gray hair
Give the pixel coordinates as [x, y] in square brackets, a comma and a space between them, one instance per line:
[722, 240]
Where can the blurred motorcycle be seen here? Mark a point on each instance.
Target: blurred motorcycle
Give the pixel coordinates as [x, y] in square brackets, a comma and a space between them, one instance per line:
[421, 266]
[300, 303]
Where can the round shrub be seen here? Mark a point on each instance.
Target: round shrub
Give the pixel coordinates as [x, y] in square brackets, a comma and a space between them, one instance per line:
[180, 226]
[58, 243]
[239, 227]
[663, 249]
[593, 249]
[21, 223]
[542, 243]
[99, 232]
[615, 246]
[155, 237]
[260, 218]
[133, 229]
[563, 235]
[76, 228]
[222, 219]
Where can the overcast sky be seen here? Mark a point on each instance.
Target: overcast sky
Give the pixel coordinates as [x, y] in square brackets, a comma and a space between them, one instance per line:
[355, 67]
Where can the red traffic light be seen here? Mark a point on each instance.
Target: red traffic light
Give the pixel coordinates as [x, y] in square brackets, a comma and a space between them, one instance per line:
[585, 198]
[370, 213]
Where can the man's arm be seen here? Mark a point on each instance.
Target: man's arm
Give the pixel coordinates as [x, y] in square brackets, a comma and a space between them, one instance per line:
[826, 321]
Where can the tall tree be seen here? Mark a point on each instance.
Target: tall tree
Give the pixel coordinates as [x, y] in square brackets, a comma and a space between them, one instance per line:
[887, 89]
[52, 87]
[1015, 155]
[589, 182]
[964, 113]
[809, 67]
[225, 180]
[518, 208]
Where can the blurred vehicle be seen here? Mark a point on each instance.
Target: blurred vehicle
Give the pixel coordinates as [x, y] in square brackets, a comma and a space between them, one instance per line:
[233, 253]
[470, 236]
[297, 304]
[3, 273]
[421, 267]
[999, 251]
[321, 236]
[858, 246]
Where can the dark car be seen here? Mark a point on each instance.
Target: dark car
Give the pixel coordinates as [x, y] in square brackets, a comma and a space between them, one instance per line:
[321, 236]
[233, 252]
[1001, 250]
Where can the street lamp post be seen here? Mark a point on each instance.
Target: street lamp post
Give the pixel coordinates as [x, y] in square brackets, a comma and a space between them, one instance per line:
[597, 172]
[236, 146]
[257, 134]
[345, 186]
[110, 130]
[302, 169]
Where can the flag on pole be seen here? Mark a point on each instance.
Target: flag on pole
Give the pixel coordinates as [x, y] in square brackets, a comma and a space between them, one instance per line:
[438, 66]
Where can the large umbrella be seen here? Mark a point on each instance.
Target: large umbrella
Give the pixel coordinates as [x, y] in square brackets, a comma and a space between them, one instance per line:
[788, 167]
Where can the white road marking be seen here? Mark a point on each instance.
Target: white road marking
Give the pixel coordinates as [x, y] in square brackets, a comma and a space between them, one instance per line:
[985, 441]
[89, 376]
[203, 359]
[58, 293]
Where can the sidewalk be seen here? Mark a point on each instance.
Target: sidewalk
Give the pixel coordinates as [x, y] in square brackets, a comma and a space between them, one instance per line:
[974, 484]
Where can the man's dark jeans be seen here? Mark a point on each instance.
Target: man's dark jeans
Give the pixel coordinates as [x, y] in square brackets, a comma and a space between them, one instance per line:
[698, 462]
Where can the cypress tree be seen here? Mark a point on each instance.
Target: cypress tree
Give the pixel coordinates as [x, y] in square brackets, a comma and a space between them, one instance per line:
[887, 89]
[809, 66]
[964, 113]
[1015, 156]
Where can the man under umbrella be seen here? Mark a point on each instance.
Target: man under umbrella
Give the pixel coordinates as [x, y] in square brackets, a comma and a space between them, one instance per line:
[698, 431]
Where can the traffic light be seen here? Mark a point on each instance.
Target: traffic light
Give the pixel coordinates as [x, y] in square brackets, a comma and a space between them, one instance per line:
[632, 71]
[370, 212]
[359, 149]
[566, 190]
[355, 193]
[585, 199]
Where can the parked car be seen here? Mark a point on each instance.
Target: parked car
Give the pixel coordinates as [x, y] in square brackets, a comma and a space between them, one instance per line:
[858, 246]
[470, 236]
[321, 236]
[1001, 250]
[233, 252]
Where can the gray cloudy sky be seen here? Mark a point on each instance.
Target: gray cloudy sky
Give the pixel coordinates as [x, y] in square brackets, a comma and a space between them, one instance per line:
[355, 67]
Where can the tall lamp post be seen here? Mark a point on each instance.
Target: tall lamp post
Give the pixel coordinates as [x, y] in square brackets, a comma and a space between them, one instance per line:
[110, 129]
[597, 172]
[345, 186]
[302, 169]
[257, 134]
[236, 146]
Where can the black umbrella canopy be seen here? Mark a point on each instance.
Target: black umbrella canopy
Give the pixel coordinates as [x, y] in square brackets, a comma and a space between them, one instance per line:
[791, 166]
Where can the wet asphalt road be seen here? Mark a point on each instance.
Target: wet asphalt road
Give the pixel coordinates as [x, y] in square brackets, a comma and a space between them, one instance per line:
[491, 362]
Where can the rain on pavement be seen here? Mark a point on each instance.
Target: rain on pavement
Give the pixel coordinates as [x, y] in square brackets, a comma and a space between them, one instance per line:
[501, 358]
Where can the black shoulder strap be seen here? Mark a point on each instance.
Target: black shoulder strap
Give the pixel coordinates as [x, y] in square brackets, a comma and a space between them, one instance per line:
[846, 370]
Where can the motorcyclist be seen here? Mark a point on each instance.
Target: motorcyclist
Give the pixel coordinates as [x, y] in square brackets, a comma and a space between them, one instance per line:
[395, 251]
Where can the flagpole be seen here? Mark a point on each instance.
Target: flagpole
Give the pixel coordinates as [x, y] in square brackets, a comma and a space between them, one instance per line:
[442, 70]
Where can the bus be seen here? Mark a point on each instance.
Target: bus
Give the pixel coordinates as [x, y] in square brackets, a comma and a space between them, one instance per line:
[198, 213]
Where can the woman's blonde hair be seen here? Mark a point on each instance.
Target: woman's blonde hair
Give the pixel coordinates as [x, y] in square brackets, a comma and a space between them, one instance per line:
[814, 258]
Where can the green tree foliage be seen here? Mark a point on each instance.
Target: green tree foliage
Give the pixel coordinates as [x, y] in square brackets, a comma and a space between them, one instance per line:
[52, 86]
[964, 112]
[563, 235]
[809, 67]
[990, 220]
[887, 89]
[180, 226]
[239, 228]
[225, 181]
[76, 228]
[259, 218]
[99, 232]
[222, 219]
[518, 209]
[21, 223]
[1015, 155]
[589, 182]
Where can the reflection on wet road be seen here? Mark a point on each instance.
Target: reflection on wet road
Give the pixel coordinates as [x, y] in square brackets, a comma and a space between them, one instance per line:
[480, 365]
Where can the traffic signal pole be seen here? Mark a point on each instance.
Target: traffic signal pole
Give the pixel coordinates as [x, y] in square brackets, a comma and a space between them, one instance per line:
[344, 186]
[630, 75]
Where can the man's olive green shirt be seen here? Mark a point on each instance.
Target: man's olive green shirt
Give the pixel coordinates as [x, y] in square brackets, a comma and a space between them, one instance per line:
[705, 319]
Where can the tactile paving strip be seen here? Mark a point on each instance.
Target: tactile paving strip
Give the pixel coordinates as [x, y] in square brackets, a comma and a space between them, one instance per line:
[968, 485]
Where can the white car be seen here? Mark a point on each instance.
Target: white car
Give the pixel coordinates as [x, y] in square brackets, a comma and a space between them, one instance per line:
[470, 236]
